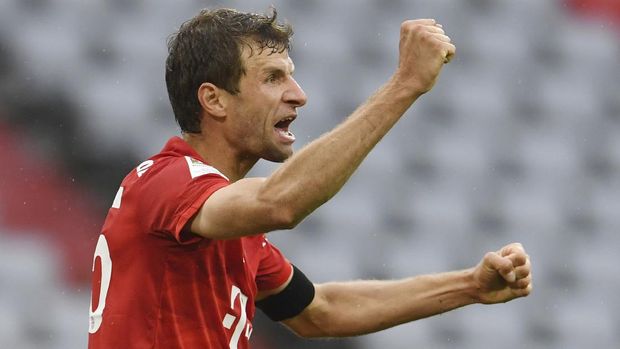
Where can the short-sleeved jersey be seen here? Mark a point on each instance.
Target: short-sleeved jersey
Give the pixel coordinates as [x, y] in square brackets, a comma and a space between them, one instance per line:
[156, 285]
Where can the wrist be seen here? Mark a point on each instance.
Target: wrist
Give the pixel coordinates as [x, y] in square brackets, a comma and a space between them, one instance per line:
[404, 88]
[471, 288]
[409, 86]
[454, 289]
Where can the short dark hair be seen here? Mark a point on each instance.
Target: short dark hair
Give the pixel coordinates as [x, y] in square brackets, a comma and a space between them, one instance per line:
[207, 48]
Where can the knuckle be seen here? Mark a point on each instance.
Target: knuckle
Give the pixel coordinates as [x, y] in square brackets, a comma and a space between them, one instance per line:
[523, 283]
[419, 30]
[520, 259]
[506, 265]
[522, 272]
[426, 38]
[409, 26]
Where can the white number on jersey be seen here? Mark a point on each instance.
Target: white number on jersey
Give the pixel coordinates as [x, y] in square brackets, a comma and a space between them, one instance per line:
[103, 252]
[96, 316]
[229, 319]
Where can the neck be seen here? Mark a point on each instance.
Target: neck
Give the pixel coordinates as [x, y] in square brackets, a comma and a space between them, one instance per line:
[219, 154]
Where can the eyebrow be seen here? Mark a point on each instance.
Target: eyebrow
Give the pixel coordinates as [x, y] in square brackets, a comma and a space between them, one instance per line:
[277, 68]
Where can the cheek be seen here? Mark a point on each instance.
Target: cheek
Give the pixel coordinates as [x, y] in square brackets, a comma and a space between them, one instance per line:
[250, 129]
[255, 116]
[245, 130]
[244, 121]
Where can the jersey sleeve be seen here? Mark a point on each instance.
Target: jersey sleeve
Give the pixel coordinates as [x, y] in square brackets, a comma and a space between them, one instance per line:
[173, 194]
[274, 269]
[190, 201]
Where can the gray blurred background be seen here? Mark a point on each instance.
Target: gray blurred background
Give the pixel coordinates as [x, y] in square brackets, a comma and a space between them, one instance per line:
[518, 141]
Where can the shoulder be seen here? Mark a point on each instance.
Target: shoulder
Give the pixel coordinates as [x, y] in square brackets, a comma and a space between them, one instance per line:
[173, 170]
[198, 168]
[177, 162]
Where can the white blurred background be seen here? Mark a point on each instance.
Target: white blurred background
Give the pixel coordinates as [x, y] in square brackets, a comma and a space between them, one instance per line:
[518, 141]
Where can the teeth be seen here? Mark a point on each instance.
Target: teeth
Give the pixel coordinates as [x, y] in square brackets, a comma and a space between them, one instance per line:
[290, 118]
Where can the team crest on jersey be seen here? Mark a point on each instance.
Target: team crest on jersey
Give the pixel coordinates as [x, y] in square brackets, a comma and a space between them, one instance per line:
[199, 168]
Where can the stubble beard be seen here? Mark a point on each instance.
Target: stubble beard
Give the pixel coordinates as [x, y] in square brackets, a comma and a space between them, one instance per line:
[277, 156]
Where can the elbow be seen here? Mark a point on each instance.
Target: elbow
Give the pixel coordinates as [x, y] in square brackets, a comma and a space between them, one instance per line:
[280, 209]
[320, 330]
[316, 321]
[285, 217]
[310, 330]
[310, 333]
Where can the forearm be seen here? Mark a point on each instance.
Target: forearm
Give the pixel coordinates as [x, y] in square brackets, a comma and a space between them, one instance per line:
[317, 172]
[361, 307]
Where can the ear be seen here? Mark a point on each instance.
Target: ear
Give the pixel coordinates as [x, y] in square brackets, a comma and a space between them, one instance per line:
[212, 100]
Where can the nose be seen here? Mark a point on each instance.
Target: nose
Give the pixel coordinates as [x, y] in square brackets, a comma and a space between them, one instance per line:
[294, 94]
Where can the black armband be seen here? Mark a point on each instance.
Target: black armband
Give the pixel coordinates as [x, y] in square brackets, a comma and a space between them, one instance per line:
[295, 297]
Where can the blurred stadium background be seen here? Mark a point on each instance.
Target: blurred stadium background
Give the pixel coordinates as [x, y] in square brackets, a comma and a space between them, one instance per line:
[519, 141]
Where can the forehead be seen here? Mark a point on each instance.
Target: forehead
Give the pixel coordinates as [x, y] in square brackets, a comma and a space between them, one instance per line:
[255, 61]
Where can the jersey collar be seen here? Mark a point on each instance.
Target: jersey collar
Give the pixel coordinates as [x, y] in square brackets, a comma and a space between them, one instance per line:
[179, 146]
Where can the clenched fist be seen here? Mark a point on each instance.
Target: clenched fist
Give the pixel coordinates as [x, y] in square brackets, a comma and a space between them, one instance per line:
[503, 275]
[424, 49]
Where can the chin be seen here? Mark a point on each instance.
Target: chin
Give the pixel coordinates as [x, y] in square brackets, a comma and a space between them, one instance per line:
[279, 155]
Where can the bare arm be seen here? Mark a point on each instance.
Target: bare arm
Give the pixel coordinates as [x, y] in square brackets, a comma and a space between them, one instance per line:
[315, 174]
[360, 307]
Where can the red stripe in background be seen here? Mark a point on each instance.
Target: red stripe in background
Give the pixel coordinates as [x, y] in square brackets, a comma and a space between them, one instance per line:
[608, 10]
[37, 197]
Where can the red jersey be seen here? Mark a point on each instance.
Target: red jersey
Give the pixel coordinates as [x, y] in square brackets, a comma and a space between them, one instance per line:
[156, 285]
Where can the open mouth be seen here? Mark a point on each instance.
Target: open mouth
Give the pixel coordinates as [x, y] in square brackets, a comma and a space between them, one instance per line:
[282, 129]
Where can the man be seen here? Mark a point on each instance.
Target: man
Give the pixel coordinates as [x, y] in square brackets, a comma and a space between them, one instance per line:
[182, 261]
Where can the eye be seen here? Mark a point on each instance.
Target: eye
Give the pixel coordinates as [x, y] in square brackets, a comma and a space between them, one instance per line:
[275, 76]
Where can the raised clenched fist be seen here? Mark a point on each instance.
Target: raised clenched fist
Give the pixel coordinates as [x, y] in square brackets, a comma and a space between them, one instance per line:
[424, 49]
[503, 275]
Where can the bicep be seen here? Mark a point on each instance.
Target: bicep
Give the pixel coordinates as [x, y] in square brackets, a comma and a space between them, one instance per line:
[236, 210]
